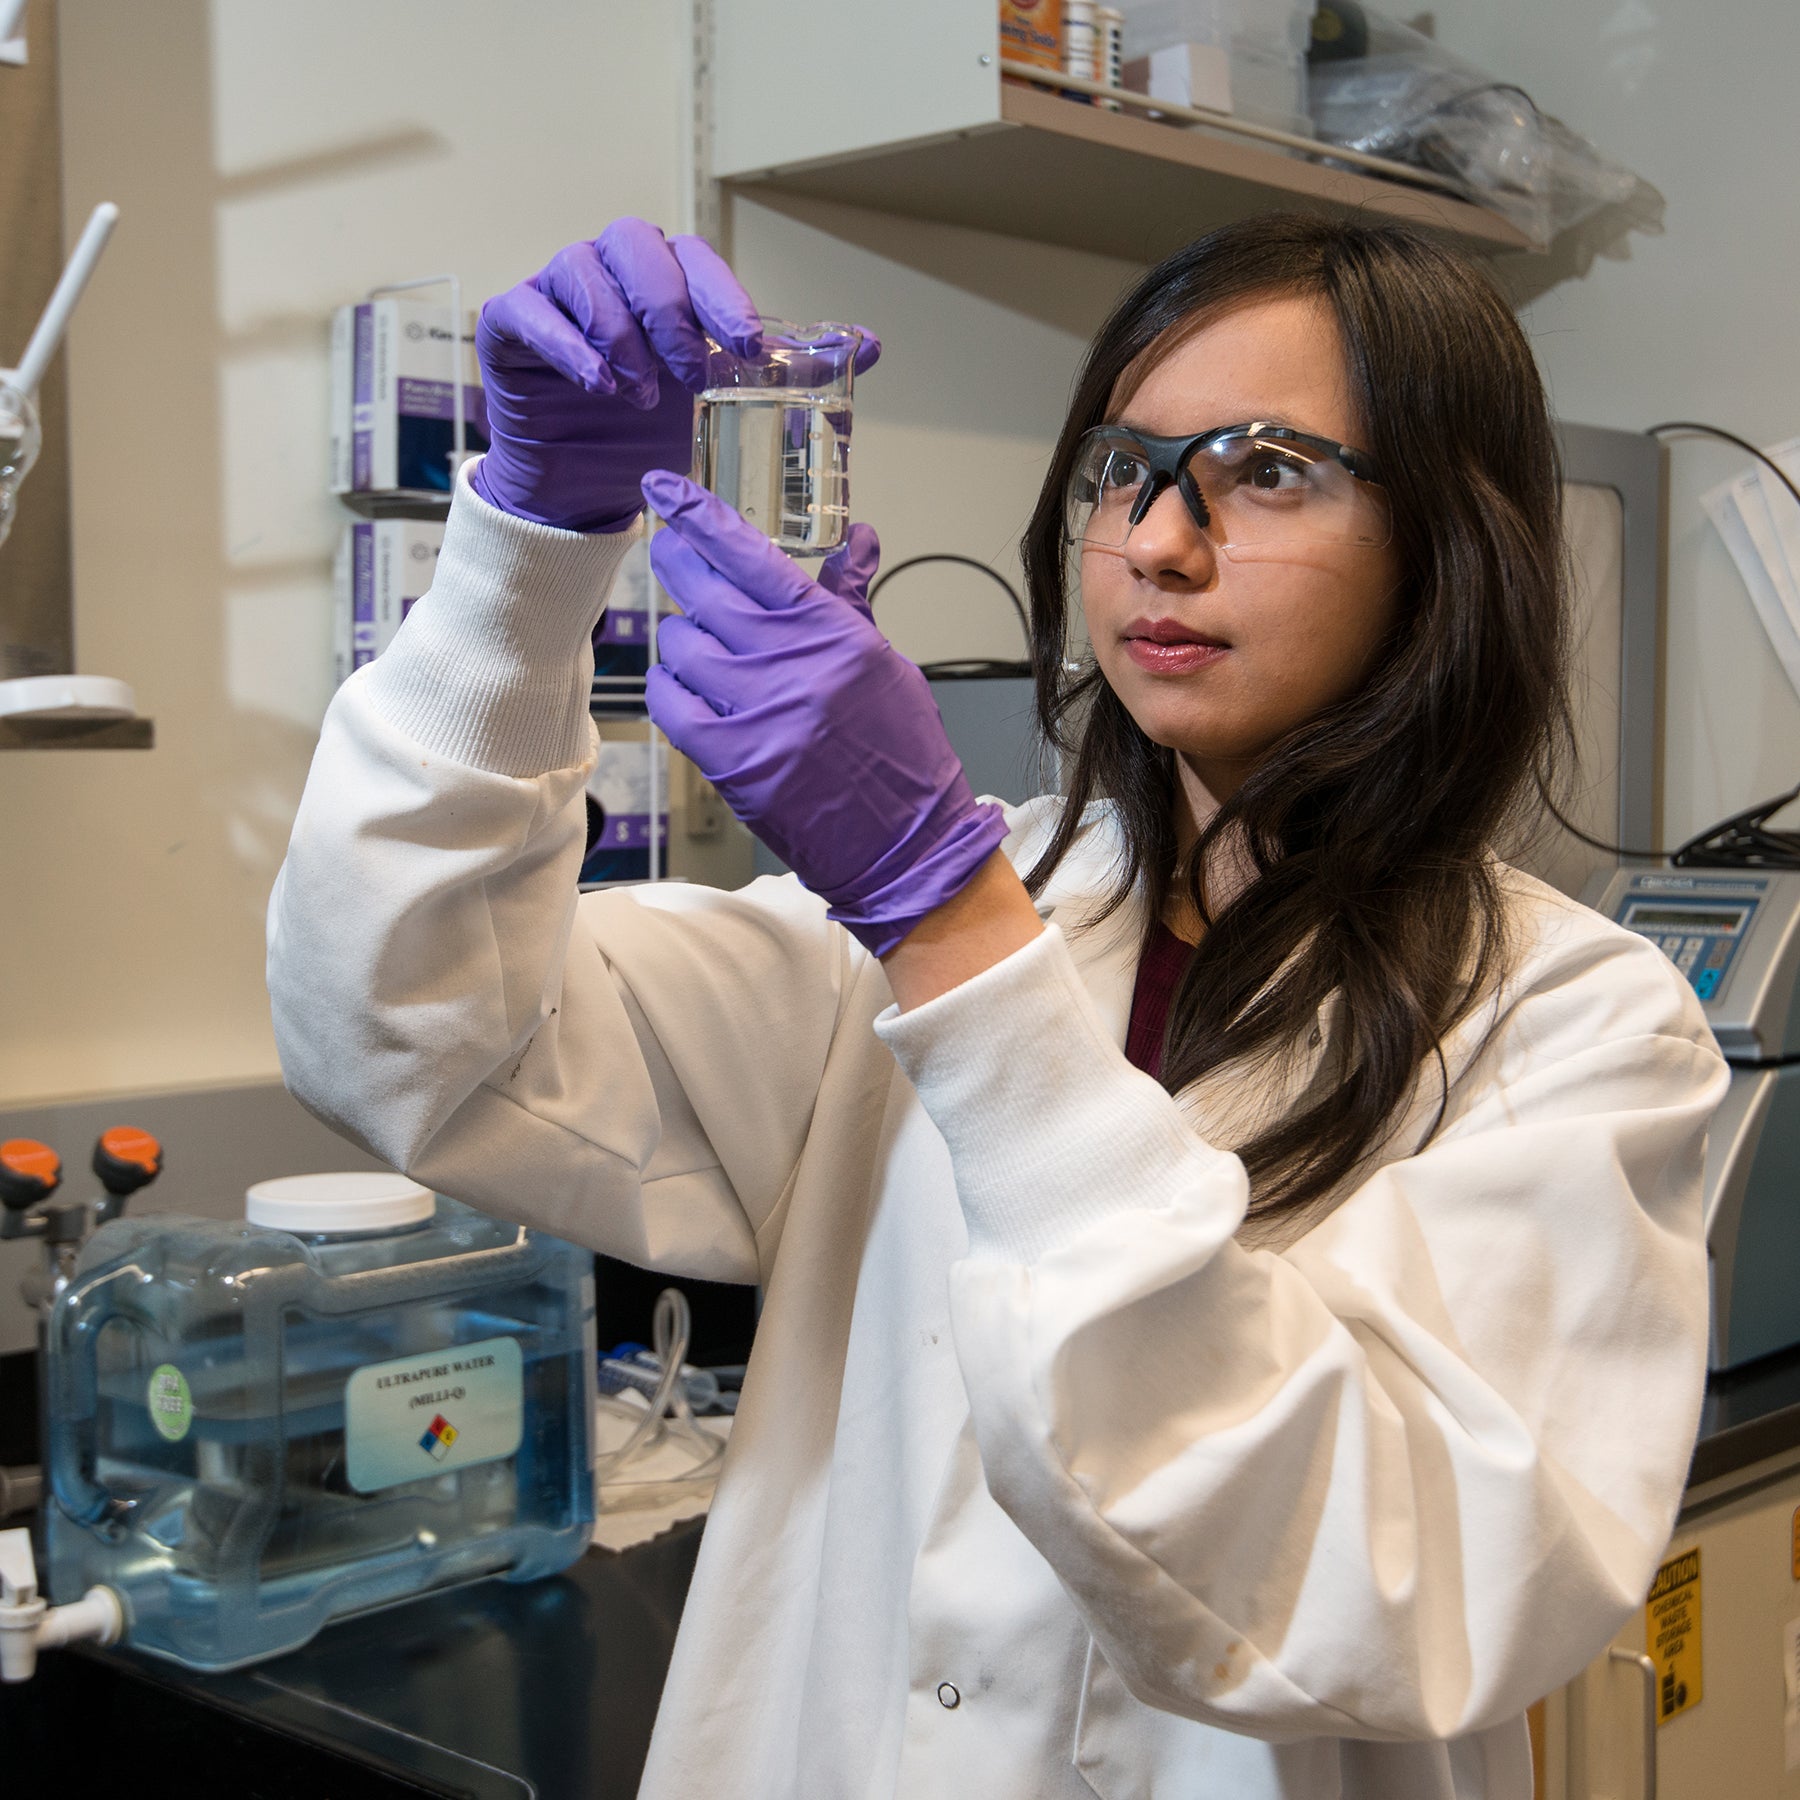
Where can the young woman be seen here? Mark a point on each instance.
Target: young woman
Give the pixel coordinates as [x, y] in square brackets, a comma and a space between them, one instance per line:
[1235, 1293]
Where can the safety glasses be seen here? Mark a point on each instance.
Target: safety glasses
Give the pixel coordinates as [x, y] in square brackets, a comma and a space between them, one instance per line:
[1260, 491]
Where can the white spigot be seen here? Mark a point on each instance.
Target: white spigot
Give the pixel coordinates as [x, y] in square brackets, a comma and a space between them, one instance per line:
[28, 1623]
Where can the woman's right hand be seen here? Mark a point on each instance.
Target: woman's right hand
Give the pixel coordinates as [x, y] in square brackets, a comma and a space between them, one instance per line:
[590, 369]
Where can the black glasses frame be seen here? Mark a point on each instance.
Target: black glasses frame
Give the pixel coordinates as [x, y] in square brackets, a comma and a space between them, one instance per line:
[1167, 460]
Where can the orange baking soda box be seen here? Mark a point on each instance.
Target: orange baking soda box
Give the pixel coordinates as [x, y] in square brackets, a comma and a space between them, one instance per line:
[1031, 32]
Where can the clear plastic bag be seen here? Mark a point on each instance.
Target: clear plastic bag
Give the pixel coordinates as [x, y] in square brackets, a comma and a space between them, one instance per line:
[1378, 86]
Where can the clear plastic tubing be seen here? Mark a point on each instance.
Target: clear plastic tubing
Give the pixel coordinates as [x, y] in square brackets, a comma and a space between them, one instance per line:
[772, 433]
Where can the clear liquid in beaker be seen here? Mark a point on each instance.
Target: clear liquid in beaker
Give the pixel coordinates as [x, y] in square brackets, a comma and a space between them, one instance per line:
[781, 457]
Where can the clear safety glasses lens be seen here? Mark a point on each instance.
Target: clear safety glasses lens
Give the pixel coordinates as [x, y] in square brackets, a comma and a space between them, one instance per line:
[1255, 493]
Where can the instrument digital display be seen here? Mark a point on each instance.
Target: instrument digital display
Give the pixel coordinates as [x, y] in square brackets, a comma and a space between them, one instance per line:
[1686, 918]
[1700, 927]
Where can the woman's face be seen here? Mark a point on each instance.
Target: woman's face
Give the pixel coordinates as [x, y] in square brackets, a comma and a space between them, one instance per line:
[1218, 659]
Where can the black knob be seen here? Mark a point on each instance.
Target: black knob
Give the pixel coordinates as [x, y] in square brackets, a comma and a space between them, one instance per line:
[65, 1223]
[29, 1172]
[126, 1159]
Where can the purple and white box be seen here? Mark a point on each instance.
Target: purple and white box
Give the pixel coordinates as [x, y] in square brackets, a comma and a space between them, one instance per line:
[383, 566]
[395, 365]
[622, 641]
[621, 784]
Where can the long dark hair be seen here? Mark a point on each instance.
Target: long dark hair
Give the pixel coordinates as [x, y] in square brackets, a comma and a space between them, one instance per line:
[1369, 831]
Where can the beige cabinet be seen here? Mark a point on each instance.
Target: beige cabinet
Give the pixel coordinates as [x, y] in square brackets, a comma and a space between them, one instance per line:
[1727, 1617]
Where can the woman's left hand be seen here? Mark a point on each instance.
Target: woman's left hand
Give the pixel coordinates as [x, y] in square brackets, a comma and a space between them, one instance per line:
[817, 733]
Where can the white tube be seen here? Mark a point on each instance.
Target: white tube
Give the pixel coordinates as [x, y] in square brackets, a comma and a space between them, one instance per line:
[659, 804]
[63, 301]
[96, 1618]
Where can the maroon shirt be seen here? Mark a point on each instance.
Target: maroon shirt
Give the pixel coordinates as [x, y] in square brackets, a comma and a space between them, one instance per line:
[1164, 962]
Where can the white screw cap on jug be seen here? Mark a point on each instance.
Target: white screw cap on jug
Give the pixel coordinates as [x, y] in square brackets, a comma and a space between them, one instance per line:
[363, 1200]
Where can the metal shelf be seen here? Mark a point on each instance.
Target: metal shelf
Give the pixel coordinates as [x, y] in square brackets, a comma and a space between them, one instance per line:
[1064, 172]
[77, 734]
[399, 503]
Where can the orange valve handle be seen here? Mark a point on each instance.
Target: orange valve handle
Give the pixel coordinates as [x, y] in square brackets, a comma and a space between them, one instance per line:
[29, 1172]
[126, 1159]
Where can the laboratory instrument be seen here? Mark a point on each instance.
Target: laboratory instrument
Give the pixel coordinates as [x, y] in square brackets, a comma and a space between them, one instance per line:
[21, 441]
[1735, 935]
[63, 699]
[125, 1160]
[360, 1393]
[772, 432]
[20, 436]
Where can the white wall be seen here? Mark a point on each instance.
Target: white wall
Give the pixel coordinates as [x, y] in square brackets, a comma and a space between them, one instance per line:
[1695, 324]
[271, 160]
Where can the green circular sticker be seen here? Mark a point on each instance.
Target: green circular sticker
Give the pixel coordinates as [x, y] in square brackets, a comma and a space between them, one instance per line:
[171, 1405]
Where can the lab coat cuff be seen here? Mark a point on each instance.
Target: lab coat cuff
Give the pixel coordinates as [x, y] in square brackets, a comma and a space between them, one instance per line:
[493, 666]
[1051, 1131]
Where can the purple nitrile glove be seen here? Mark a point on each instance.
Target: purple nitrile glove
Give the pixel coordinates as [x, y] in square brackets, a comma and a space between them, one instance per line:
[590, 369]
[817, 732]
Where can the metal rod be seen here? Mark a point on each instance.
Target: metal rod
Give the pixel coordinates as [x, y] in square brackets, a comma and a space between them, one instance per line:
[458, 439]
[458, 430]
[65, 299]
[654, 598]
[1267, 134]
[1642, 1663]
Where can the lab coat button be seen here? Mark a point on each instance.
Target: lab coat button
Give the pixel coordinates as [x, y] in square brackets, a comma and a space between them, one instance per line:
[948, 1697]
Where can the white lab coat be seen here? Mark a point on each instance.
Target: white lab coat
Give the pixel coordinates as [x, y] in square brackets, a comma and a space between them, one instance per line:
[1044, 1485]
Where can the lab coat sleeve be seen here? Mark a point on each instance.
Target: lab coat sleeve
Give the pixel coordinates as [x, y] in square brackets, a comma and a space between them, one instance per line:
[441, 995]
[1401, 1479]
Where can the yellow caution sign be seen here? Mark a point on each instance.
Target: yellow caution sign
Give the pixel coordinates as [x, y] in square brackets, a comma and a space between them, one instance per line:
[1672, 1634]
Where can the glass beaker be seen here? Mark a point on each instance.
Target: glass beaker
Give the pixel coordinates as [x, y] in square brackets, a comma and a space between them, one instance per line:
[772, 433]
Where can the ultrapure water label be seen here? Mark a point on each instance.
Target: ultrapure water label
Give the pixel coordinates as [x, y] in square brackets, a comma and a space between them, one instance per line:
[423, 1415]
